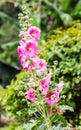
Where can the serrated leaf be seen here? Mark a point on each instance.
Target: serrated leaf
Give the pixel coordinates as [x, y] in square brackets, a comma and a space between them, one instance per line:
[30, 125]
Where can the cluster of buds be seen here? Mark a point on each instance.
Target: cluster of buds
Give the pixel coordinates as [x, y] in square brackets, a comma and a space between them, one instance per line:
[28, 54]
[25, 17]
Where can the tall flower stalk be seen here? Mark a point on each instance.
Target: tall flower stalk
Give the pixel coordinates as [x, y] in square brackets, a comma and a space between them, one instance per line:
[39, 93]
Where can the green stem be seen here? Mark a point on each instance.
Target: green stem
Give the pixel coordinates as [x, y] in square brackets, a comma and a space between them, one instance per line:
[47, 121]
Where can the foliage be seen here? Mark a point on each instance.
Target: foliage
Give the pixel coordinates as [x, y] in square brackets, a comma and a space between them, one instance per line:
[59, 13]
[51, 13]
[7, 53]
[14, 96]
[17, 105]
[9, 39]
[63, 47]
[1, 90]
[13, 126]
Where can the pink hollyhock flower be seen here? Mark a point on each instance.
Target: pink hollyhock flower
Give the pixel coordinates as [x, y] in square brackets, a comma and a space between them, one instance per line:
[39, 64]
[34, 33]
[60, 86]
[23, 59]
[20, 50]
[22, 42]
[31, 49]
[25, 63]
[27, 66]
[31, 95]
[42, 66]
[52, 98]
[44, 85]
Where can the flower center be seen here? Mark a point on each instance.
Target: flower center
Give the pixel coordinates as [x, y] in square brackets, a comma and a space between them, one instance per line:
[33, 34]
[30, 48]
[52, 97]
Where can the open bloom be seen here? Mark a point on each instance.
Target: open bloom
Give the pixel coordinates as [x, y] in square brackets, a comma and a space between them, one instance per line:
[52, 98]
[31, 95]
[34, 33]
[39, 64]
[25, 62]
[21, 50]
[31, 48]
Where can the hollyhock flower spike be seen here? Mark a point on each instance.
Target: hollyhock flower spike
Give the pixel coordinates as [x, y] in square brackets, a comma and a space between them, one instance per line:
[34, 33]
[31, 95]
[31, 49]
[39, 89]
[52, 98]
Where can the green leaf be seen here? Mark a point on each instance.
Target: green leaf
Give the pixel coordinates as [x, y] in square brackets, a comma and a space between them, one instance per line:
[10, 45]
[58, 127]
[77, 10]
[64, 17]
[65, 4]
[30, 125]
[56, 118]
[66, 107]
[32, 111]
